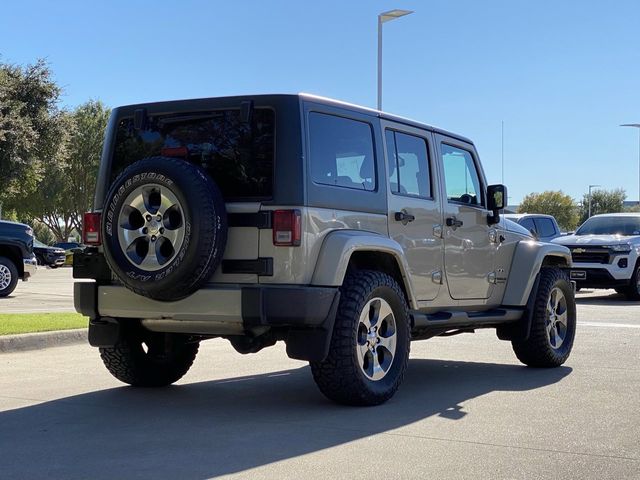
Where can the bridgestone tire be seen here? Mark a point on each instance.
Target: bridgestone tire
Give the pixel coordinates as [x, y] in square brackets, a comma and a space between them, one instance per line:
[340, 376]
[537, 350]
[8, 267]
[204, 228]
[167, 359]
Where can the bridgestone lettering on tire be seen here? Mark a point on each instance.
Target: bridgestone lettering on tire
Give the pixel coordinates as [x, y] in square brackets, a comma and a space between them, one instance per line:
[164, 228]
[366, 365]
[553, 325]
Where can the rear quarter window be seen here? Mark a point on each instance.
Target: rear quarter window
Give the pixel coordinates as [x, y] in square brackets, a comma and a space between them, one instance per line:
[341, 152]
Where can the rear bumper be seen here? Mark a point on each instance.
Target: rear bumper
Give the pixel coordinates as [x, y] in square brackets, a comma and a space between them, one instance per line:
[304, 315]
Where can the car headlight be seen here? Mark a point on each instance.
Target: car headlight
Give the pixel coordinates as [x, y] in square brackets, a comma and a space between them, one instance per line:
[29, 232]
[623, 248]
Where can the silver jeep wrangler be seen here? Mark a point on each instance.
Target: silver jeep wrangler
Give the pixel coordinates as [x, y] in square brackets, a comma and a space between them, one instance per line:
[343, 231]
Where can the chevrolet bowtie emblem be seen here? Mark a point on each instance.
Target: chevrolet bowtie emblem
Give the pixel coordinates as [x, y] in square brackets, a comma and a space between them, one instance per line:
[579, 250]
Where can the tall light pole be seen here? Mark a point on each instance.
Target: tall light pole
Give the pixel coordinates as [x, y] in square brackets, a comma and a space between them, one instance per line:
[590, 187]
[636, 125]
[383, 18]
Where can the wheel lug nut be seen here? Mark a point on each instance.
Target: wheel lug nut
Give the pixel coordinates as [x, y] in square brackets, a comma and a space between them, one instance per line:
[161, 231]
[148, 217]
[145, 230]
[158, 218]
[153, 238]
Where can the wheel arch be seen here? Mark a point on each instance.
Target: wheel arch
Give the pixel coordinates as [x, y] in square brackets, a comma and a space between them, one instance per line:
[528, 259]
[13, 254]
[352, 249]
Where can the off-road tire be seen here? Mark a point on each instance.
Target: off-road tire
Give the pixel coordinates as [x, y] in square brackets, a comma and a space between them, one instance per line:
[537, 350]
[10, 267]
[204, 220]
[340, 376]
[167, 359]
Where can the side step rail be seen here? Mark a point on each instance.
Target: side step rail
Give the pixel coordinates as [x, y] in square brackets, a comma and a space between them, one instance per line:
[439, 322]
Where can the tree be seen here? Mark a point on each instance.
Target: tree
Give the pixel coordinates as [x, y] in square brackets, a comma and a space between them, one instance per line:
[555, 203]
[30, 130]
[84, 148]
[602, 201]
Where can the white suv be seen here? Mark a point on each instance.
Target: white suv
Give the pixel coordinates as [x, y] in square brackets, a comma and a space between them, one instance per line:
[605, 252]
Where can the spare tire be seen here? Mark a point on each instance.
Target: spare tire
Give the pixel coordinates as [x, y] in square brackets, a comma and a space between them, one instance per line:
[164, 228]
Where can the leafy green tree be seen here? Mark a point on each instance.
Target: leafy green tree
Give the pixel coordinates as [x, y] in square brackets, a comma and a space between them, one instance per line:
[84, 148]
[30, 127]
[555, 203]
[602, 201]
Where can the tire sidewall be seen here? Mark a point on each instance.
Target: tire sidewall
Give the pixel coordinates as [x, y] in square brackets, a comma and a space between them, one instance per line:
[157, 170]
[13, 282]
[394, 374]
[563, 284]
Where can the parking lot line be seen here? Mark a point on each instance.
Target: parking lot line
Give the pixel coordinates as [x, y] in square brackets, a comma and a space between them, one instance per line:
[606, 324]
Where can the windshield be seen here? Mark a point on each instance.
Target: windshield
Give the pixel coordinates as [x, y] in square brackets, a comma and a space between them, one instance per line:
[610, 226]
[38, 243]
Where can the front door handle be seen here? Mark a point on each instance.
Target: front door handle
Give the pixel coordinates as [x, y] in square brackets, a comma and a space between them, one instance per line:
[454, 223]
[404, 217]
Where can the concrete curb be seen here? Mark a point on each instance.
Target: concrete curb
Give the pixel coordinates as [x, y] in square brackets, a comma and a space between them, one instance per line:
[35, 341]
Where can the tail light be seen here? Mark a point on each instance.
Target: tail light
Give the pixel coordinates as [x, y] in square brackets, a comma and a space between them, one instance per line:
[91, 228]
[287, 228]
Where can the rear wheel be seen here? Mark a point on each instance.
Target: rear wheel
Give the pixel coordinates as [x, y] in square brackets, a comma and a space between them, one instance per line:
[369, 348]
[8, 276]
[149, 359]
[553, 324]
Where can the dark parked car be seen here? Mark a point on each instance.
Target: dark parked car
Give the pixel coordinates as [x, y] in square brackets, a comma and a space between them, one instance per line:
[49, 256]
[17, 261]
[73, 246]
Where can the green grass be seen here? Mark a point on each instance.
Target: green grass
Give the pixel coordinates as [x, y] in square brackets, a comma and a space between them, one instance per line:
[14, 323]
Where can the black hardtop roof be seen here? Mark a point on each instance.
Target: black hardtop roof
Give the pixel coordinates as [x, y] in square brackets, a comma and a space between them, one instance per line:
[158, 108]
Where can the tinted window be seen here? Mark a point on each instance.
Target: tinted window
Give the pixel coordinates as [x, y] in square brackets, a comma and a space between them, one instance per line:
[610, 226]
[461, 176]
[237, 155]
[408, 164]
[341, 152]
[545, 227]
[528, 224]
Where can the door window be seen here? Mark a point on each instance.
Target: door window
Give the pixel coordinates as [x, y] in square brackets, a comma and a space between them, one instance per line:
[408, 164]
[529, 225]
[461, 176]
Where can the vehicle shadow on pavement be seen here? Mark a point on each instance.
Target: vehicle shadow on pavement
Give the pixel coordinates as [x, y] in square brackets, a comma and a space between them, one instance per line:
[201, 430]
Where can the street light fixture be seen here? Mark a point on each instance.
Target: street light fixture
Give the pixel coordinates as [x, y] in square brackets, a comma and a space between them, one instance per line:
[636, 125]
[590, 187]
[383, 18]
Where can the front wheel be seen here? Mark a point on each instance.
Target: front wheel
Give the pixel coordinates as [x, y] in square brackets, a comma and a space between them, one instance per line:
[149, 359]
[553, 323]
[8, 277]
[632, 291]
[369, 349]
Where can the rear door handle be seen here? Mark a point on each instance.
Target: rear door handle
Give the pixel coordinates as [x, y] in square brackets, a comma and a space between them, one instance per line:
[453, 222]
[404, 217]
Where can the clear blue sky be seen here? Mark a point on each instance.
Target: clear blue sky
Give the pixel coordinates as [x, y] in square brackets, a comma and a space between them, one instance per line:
[561, 74]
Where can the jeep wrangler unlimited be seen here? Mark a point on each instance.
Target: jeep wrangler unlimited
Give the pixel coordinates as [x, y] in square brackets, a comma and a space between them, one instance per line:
[343, 231]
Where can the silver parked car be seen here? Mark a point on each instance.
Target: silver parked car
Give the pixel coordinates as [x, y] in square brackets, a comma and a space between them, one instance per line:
[543, 227]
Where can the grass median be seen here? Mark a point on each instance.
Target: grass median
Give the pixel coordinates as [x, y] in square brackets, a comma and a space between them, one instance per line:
[15, 323]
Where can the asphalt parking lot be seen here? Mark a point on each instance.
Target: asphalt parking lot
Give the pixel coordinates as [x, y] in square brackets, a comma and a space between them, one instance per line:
[466, 409]
[49, 290]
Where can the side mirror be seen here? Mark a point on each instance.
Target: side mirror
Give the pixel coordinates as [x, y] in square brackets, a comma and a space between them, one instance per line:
[496, 201]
